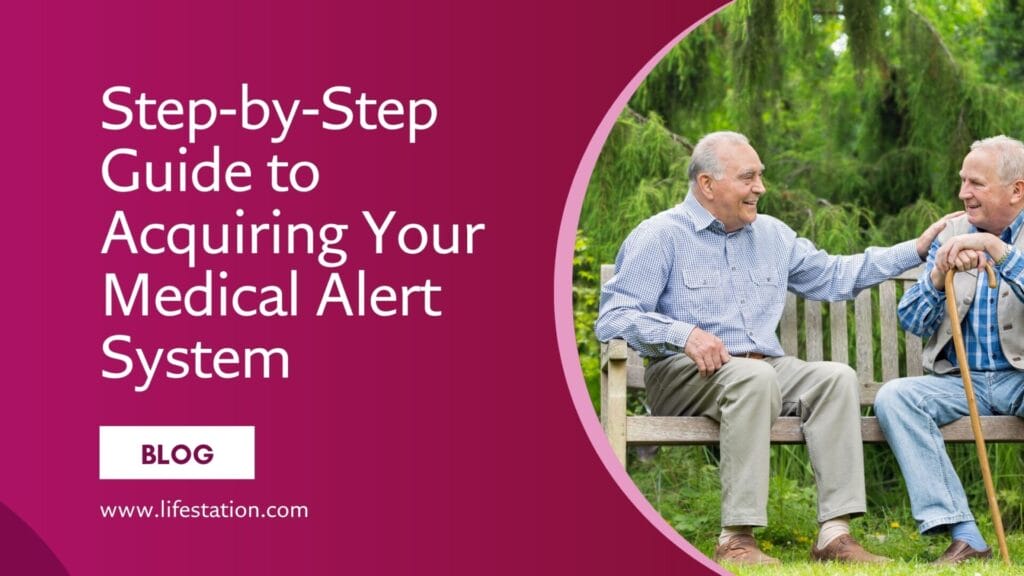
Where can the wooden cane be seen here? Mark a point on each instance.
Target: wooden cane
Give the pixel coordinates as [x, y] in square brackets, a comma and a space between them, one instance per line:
[972, 406]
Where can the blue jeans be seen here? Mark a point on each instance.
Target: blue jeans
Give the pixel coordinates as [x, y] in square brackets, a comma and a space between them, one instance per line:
[911, 410]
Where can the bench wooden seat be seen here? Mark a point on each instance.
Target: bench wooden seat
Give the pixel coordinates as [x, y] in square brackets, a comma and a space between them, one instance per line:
[802, 335]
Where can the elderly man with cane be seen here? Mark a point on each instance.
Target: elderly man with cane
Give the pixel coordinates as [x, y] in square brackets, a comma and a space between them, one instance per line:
[911, 410]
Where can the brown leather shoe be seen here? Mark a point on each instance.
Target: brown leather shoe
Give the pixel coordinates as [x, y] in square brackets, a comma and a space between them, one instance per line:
[844, 548]
[960, 551]
[742, 549]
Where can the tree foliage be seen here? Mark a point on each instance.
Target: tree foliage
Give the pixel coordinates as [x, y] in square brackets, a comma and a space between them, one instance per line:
[1004, 52]
[867, 105]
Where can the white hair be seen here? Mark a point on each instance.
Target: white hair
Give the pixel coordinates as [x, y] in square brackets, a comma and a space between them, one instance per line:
[705, 157]
[1009, 153]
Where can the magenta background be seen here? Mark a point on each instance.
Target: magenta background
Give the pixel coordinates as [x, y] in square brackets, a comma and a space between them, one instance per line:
[446, 445]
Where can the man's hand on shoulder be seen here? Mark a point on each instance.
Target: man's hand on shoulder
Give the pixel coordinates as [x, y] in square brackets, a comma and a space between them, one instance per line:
[924, 241]
[707, 351]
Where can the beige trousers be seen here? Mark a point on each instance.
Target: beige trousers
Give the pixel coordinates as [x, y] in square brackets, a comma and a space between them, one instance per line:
[746, 396]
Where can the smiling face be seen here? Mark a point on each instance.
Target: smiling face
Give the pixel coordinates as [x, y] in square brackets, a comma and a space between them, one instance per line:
[732, 199]
[991, 205]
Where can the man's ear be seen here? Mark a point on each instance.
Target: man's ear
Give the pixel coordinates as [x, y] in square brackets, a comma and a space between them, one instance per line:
[1017, 192]
[705, 185]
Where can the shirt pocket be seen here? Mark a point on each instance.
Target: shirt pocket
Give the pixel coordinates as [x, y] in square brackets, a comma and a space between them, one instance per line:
[704, 278]
[703, 293]
[766, 289]
[764, 277]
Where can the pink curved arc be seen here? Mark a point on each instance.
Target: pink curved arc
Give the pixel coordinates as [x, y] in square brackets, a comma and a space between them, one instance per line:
[565, 330]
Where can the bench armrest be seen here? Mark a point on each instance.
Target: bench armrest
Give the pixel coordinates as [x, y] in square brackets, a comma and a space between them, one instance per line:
[614, 355]
[616, 349]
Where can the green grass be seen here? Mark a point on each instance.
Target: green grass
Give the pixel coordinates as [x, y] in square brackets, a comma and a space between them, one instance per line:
[682, 484]
[907, 568]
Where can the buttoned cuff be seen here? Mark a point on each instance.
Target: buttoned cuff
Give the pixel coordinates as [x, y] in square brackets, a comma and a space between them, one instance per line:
[678, 334]
[906, 254]
[929, 291]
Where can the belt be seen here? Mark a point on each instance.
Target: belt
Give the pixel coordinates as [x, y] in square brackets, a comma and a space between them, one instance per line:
[751, 355]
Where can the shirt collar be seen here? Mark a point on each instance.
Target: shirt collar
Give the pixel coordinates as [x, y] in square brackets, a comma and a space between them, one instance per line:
[1014, 228]
[1016, 225]
[699, 215]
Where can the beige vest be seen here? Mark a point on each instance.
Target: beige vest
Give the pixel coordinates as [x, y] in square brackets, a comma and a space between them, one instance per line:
[1009, 312]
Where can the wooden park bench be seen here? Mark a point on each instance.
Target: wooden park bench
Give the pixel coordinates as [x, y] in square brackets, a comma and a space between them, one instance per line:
[801, 333]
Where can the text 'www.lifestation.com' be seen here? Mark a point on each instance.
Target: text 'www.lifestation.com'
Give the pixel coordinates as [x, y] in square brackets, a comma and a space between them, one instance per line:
[175, 509]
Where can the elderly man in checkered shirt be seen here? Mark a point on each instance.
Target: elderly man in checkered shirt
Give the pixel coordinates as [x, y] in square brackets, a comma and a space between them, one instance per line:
[911, 410]
[699, 290]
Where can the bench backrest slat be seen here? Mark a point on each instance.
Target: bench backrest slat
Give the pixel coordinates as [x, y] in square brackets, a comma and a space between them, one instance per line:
[814, 340]
[788, 326]
[890, 342]
[837, 328]
[864, 330]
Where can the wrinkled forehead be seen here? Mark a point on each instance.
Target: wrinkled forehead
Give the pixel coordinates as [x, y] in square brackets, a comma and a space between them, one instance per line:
[737, 158]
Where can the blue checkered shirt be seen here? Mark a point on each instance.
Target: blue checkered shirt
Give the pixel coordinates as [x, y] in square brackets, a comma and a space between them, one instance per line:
[923, 307]
[680, 269]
